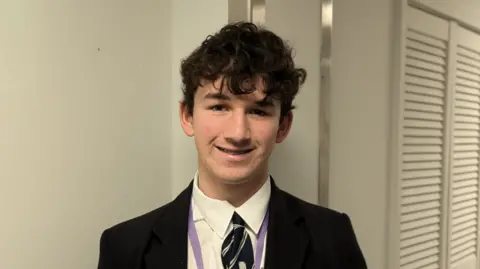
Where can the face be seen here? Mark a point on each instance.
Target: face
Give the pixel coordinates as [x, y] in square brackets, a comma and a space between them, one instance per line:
[234, 134]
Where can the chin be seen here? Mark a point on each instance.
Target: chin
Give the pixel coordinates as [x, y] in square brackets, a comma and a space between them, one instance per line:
[234, 177]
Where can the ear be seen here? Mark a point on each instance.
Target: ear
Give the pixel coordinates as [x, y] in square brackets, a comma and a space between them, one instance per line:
[284, 127]
[186, 119]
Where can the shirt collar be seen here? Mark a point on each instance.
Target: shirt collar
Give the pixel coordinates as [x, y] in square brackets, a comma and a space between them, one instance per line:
[218, 213]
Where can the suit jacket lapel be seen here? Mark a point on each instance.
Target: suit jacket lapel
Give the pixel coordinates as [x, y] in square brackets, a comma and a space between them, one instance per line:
[169, 245]
[287, 237]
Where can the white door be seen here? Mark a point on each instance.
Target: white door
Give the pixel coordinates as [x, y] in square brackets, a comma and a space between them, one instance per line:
[464, 211]
[424, 144]
[440, 144]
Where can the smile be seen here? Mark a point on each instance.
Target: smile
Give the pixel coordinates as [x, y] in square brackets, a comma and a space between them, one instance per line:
[234, 152]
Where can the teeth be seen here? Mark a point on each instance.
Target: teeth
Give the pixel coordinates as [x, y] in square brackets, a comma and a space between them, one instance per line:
[235, 152]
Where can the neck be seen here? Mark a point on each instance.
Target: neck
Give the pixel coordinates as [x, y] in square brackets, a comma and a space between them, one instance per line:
[236, 194]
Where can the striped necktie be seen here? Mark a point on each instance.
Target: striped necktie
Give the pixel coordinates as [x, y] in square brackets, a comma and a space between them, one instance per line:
[237, 250]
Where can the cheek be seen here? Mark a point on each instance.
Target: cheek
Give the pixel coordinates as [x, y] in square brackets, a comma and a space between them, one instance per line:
[266, 132]
[206, 127]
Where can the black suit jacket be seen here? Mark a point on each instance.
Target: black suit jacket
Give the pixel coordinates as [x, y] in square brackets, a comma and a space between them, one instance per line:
[300, 235]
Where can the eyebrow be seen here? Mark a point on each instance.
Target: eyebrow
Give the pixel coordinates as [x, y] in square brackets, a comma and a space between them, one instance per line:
[265, 102]
[217, 96]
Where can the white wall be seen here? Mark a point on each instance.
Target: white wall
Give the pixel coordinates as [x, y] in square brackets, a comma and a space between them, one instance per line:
[84, 98]
[361, 82]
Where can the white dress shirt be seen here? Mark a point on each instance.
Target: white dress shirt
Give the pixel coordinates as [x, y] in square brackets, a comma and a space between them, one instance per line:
[212, 220]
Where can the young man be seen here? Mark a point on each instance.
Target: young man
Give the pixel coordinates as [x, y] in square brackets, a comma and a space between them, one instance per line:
[238, 90]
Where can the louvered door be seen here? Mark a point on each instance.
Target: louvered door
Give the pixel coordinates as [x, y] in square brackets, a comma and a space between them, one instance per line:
[439, 199]
[423, 150]
[464, 213]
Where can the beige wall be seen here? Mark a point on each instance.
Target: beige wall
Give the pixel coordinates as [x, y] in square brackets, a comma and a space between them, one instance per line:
[362, 50]
[84, 98]
[294, 163]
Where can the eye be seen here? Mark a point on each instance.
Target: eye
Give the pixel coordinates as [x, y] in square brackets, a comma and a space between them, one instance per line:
[258, 112]
[217, 108]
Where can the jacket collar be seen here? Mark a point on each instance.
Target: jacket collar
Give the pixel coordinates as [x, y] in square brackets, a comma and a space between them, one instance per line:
[287, 237]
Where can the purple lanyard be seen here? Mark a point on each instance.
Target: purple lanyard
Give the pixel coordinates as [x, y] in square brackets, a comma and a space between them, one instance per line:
[197, 251]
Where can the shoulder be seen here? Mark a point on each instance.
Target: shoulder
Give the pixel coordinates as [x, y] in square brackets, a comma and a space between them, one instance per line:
[313, 213]
[122, 244]
[128, 236]
[330, 231]
[325, 224]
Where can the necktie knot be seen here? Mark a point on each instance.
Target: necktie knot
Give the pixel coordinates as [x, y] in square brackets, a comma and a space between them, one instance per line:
[237, 220]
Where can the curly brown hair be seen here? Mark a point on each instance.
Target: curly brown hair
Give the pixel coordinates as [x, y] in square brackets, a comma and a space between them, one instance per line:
[238, 53]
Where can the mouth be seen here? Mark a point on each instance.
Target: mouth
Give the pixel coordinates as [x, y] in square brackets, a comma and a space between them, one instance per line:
[234, 151]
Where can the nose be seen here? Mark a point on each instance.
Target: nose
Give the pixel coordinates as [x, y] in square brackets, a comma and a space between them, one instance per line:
[237, 129]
